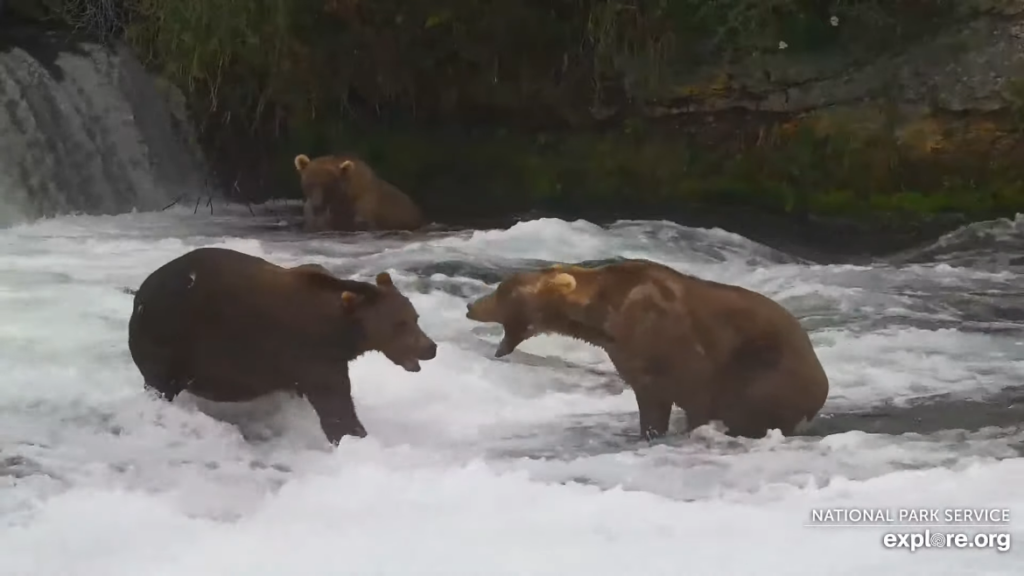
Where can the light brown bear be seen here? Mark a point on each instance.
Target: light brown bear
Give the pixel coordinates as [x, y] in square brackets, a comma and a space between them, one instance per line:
[717, 351]
[230, 327]
[344, 194]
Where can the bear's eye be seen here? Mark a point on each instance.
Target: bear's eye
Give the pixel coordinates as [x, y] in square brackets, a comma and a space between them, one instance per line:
[401, 325]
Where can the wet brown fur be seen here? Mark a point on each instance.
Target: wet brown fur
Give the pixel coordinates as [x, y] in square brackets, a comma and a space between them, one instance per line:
[231, 327]
[717, 351]
[343, 193]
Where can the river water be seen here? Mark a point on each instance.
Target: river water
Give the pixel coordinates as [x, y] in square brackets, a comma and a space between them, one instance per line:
[527, 465]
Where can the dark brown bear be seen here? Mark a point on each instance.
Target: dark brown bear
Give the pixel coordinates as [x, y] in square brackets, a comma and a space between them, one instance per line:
[717, 351]
[230, 327]
[345, 194]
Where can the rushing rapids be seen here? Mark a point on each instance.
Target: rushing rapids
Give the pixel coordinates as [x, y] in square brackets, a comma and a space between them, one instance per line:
[527, 464]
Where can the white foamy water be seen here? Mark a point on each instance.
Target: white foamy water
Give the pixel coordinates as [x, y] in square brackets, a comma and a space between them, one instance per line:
[528, 465]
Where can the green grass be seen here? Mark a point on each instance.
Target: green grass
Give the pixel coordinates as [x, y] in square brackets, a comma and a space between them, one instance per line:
[496, 172]
[379, 78]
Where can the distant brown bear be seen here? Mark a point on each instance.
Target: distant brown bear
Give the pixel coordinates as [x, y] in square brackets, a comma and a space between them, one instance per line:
[345, 194]
[230, 327]
[717, 351]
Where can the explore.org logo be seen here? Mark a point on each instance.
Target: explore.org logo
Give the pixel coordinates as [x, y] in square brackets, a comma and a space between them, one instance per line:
[963, 528]
[914, 541]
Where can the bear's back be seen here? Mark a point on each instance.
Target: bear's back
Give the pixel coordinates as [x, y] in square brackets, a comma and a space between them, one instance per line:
[379, 204]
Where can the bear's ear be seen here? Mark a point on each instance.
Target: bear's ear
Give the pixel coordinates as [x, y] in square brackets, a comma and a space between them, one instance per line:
[384, 280]
[312, 269]
[350, 300]
[301, 161]
[562, 282]
[346, 166]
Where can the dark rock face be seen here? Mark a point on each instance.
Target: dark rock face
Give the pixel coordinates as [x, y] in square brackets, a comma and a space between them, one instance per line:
[971, 66]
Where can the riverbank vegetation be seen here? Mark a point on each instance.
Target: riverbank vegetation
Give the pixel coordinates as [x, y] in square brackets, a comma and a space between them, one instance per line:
[476, 107]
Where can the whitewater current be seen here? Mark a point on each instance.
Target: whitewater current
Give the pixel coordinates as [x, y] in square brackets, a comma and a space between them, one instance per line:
[525, 465]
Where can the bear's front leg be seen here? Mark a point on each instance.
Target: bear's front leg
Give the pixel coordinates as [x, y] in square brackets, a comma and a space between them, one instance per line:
[653, 404]
[697, 404]
[654, 412]
[332, 402]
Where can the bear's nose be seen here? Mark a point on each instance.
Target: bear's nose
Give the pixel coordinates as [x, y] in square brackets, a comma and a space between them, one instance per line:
[430, 351]
[483, 309]
[474, 312]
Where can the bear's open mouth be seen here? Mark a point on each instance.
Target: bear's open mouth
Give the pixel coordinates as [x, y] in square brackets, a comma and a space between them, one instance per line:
[411, 365]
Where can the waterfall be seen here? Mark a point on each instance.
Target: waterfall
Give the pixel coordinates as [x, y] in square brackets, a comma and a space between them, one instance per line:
[85, 129]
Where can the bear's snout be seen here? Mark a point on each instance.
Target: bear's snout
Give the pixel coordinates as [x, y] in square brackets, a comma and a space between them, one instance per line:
[429, 351]
[483, 309]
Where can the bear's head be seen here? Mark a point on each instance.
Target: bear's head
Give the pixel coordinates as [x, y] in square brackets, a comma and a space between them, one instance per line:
[390, 324]
[527, 304]
[328, 176]
[318, 177]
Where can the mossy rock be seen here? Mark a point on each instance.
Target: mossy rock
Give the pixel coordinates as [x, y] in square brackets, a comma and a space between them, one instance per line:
[805, 171]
